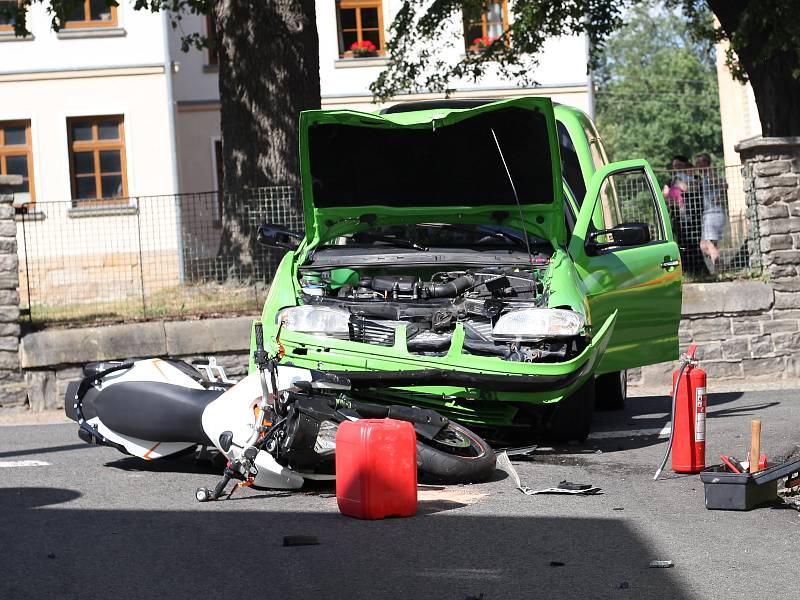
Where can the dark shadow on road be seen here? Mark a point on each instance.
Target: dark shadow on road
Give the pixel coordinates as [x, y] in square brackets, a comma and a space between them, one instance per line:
[214, 550]
[740, 411]
[45, 450]
[640, 423]
[722, 398]
[182, 464]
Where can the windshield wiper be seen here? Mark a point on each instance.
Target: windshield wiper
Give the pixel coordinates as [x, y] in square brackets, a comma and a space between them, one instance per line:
[489, 230]
[399, 243]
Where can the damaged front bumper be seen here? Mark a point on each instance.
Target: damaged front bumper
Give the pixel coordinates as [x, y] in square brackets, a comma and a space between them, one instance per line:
[466, 383]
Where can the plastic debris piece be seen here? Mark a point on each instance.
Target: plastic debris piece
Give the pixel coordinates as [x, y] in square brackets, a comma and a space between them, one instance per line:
[525, 453]
[661, 564]
[300, 540]
[504, 464]
[557, 563]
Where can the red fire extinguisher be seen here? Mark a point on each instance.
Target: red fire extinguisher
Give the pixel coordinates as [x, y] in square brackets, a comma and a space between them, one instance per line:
[687, 438]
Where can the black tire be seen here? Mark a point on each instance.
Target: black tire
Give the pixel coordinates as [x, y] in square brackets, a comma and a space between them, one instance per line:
[457, 455]
[571, 419]
[611, 390]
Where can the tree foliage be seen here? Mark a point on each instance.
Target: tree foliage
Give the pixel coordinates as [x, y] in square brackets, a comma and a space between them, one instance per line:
[417, 39]
[657, 90]
[764, 36]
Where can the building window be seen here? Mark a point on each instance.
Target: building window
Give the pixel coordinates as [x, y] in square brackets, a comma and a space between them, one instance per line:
[211, 37]
[92, 13]
[8, 9]
[97, 158]
[360, 25]
[482, 27]
[16, 158]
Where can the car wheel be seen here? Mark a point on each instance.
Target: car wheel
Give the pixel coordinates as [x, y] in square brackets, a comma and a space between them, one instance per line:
[571, 419]
[611, 391]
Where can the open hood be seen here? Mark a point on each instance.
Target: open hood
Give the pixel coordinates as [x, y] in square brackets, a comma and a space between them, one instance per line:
[438, 165]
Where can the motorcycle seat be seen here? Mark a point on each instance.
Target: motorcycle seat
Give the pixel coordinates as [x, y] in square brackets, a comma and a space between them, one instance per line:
[155, 411]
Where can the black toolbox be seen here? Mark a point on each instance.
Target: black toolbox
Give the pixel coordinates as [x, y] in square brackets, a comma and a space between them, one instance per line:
[743, 491]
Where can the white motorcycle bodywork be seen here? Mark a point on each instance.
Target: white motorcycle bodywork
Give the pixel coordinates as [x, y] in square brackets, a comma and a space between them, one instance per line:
[234, 411]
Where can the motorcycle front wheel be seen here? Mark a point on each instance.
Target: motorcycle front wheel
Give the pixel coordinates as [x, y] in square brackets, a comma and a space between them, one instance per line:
[455, 455]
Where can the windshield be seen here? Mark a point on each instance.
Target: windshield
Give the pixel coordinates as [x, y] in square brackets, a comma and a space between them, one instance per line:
[440, 235]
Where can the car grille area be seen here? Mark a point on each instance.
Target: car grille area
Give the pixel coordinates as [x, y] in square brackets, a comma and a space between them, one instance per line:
[371, 332]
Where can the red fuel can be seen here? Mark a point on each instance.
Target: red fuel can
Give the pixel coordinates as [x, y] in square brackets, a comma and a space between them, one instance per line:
[376, 468]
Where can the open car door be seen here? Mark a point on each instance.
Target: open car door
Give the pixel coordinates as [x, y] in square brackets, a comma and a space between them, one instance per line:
[625, 254]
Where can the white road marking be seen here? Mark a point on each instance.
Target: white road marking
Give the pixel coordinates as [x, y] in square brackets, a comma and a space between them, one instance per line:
[653, 416]
[23, 463]
[601, 435]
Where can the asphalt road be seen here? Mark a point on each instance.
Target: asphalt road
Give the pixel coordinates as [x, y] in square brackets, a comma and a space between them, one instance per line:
[94, 524]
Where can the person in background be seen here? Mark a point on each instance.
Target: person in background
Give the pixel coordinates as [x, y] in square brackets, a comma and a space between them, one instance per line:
[714, 191]
[682, 194]
[673, 195]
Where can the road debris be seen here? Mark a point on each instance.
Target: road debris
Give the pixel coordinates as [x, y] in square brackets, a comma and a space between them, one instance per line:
[522, 453]
[300, 540]
[661, 564]
[564, 487]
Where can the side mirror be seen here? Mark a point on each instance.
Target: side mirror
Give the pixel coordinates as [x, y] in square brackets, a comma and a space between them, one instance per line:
[622, 235]
[273, 236]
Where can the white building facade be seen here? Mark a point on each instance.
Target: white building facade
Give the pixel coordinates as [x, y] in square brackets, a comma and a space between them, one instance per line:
[115, 83]
[108, 121]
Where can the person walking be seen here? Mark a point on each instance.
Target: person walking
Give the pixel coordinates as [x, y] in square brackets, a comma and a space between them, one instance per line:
[714, 190]
[682, 194]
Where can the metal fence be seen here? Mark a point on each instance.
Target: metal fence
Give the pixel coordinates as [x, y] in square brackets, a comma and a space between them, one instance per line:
[195, 254]
[714, 223]
[150, 257]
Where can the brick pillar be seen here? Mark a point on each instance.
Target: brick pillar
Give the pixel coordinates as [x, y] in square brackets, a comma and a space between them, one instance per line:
[12, 387]
[774, 166]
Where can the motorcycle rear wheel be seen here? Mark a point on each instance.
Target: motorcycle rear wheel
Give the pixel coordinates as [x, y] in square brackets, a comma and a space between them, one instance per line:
[455, 455]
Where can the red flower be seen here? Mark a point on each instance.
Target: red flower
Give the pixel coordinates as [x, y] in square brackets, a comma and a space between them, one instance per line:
[479, 43]
[363, 47]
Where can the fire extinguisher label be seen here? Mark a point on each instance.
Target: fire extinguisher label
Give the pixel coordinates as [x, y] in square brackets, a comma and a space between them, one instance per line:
[700, 415]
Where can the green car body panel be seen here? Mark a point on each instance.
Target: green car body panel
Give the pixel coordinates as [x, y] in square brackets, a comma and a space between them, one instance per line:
[630, 302]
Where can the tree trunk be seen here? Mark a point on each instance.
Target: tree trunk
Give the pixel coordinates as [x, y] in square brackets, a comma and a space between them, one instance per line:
[775, 87]
[268, 73]
[777, 93]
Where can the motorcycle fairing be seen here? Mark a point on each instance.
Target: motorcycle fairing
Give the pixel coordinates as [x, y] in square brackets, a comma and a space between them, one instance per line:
[233, 411]
[146, 449]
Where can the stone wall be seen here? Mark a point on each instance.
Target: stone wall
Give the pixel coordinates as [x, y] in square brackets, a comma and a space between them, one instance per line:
[738, 329]
[54, 357]
[12, 391]
[740, 334]
[774, 164]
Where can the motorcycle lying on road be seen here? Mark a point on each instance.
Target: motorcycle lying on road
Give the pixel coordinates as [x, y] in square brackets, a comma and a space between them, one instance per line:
[276, 427]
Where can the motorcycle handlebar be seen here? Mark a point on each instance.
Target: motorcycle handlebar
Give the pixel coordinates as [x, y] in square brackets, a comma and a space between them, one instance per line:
[259, 336]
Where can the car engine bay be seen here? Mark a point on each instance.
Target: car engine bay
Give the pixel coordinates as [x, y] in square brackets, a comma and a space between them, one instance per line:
[502, 310]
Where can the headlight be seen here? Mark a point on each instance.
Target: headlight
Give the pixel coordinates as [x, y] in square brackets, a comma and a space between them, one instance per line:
[533, 324]
[316, 320]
